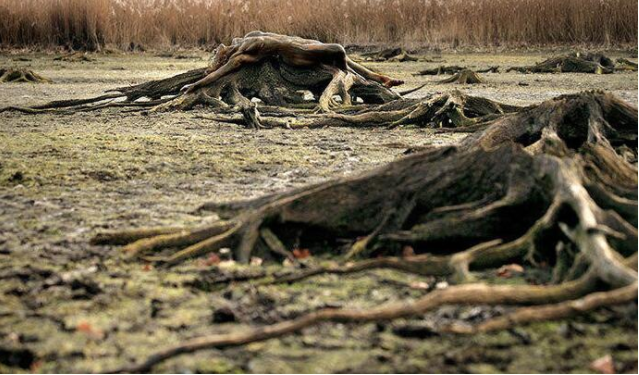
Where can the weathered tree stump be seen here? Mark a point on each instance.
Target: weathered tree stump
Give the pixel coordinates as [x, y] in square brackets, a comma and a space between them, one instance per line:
[396, 54]
[574, 63]
[271, 81]
[21, 75]
[453, 69]
[465, 76]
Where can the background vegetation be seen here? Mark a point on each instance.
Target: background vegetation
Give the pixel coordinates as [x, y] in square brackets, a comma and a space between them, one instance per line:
[92, 24]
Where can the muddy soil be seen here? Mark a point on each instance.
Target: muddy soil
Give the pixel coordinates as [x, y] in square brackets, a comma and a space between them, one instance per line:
[67, 306]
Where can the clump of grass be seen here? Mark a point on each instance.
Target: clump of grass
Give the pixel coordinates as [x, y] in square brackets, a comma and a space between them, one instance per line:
[90, 24]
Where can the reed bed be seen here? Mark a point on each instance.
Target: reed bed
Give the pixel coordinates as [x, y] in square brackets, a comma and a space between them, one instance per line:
[91, 24]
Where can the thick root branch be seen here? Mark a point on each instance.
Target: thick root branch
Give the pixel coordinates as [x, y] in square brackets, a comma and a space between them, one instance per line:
[551, 312]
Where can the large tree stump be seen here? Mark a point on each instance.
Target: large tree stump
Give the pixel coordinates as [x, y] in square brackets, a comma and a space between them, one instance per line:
[464, 76]
[270, 81]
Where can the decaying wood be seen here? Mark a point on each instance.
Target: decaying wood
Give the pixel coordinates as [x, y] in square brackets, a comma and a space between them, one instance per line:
[464, 76]
[625, 64]
[21, 75]
[396, 54]
[453, 69]
[577, 62]
[271, 81]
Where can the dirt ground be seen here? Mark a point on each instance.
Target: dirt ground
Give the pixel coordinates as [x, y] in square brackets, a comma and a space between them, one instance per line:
[68, 306]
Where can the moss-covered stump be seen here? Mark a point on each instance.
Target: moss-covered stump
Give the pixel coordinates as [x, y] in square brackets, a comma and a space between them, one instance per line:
[21, 75]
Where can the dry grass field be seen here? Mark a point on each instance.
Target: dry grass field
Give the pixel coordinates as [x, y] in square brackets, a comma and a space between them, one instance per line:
[412, 23]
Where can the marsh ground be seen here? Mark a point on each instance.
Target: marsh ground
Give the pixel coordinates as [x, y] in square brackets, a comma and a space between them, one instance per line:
[68, 306]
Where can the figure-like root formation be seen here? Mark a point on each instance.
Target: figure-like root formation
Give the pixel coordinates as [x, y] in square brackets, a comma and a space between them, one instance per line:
[453, 69]
[465, 76]
[574, 63]
[21, 75]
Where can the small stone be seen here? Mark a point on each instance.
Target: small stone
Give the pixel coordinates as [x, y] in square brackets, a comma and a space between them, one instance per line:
[224, 315]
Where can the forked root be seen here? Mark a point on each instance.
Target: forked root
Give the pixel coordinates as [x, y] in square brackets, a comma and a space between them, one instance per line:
[557, 311]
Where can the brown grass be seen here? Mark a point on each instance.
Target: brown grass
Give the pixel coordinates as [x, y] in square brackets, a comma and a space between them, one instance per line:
[440, 23]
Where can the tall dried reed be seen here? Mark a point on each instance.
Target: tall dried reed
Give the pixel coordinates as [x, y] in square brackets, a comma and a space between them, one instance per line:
[442, 23]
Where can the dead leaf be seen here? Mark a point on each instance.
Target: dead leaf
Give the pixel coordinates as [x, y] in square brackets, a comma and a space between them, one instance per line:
[88, 329]
[301, 253]
[604, 365]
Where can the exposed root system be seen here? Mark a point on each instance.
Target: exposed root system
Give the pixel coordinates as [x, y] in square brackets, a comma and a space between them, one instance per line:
[453, 69]
[522, 188]
[574, 63]
[465, 76]
[390, 54]
[21, 75]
